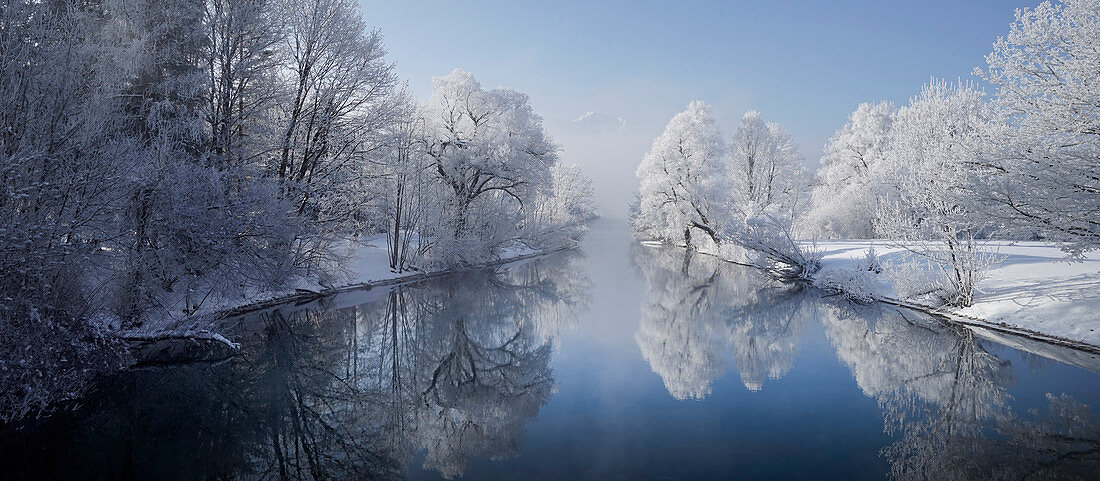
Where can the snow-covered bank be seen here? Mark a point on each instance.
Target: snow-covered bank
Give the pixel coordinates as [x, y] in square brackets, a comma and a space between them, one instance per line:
[368, 267]
[1031, 287]
[371, 269]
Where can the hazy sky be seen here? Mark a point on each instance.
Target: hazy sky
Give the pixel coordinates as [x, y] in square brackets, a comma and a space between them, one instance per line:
[804, 64]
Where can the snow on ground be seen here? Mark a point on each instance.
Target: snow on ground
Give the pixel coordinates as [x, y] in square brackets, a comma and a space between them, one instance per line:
[371, 262]
[368, 264]
[1032, 286]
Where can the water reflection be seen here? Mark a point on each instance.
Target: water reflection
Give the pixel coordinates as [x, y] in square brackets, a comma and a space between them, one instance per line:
[370, 385]
[699, 310]
[944, 396]
[453, 369]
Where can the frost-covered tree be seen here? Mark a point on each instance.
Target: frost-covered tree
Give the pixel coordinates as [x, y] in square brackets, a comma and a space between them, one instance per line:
[573, 201]
[164, 75]
[139, 153]
[748, 198]
[843, 198]
[200, 215]
[158, 155]
[490, 151]
[766, 168]
[927, 206]
[683, 180]
[467, 174]
[63, 165]
[241, 61]
[559, 217]
[769, 189]
[403, 188]
[157, 49]
[340, 94]
[1047, 172]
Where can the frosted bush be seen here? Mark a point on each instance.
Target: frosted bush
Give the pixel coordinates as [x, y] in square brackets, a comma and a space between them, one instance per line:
[859, 285]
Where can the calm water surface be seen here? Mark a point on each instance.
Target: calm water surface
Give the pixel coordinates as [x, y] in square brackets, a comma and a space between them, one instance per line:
[617, 361]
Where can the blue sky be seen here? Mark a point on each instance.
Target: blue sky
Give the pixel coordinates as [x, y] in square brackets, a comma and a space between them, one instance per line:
[803, 64]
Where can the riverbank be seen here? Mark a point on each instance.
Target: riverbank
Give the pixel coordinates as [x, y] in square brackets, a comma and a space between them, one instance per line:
[368, 269]
[1030, 290]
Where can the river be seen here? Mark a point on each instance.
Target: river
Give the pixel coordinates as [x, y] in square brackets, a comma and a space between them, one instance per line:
[613, 361]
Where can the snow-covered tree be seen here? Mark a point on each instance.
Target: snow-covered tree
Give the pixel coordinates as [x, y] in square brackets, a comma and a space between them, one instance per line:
[560, 215]
[155, 155]
[491, 153]
[1047, 172]
[139, 155]
[63, 162]
[769, 193]
[573, 201]
[748, 198]
[683, 179]
[340, 94]
[927, 206]
[403, 188]
[243, 93]
[164, 76]
[200, 213]
[843, 198]
[766, 168]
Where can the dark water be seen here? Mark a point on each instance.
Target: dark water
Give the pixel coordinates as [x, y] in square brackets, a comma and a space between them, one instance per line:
[617, 361]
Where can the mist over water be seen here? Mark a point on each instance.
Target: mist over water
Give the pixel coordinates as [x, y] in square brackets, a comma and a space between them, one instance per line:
[608, 155]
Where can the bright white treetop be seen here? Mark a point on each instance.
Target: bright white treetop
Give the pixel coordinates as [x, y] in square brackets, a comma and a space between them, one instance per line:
[1046, 71]
[768, 194]
[683, 179]
[746, 198]
[843, 199]
[936, 142]
[486, 141]
[766, 166]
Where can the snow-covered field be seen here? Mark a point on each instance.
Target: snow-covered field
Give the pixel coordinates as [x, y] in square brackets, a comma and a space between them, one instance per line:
[1031, 286]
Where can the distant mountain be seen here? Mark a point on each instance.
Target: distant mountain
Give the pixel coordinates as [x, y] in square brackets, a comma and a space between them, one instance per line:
[598, 122]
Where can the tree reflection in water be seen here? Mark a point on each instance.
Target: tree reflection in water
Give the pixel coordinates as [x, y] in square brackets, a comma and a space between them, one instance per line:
[946, 397]
[698, 308]
[453, 368]
[943, 395]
